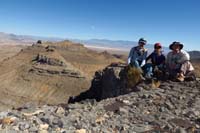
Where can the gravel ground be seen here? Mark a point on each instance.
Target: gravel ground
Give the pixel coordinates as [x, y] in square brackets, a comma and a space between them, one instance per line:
[173, 107]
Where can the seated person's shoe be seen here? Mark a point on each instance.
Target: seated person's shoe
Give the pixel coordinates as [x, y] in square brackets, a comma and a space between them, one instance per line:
[158, 74]
[190, 76]
[180, 77]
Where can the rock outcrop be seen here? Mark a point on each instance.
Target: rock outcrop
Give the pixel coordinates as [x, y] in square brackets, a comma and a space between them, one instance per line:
[51, 62]
[110, 82]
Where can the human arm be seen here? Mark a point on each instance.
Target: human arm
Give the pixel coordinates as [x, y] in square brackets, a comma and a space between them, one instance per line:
[169, 61]
[131, 55]
[149, 57]
[184, 56]
[144, 58]
[163, 59]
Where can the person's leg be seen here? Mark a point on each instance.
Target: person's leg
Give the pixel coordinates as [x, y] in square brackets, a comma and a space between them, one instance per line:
[148, 70]
[186, 67]
[136, 64]
[190, 76]
[160, 72]
[188, 71]
[172, 73]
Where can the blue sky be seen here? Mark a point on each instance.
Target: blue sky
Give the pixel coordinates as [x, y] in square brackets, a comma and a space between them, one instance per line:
[157, 20]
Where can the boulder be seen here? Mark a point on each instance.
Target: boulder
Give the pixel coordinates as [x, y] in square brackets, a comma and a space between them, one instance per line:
[113, 81]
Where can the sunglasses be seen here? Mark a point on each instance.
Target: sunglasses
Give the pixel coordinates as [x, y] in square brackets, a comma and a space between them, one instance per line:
[141, 43]
[157, 47]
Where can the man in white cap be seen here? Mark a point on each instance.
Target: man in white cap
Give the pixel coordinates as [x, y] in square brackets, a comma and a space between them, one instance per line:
[178, 62]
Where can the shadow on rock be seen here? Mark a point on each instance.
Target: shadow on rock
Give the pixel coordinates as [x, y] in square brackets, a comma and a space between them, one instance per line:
[111, 82]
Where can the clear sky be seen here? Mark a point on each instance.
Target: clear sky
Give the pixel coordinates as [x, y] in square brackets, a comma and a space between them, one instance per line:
[157, 20]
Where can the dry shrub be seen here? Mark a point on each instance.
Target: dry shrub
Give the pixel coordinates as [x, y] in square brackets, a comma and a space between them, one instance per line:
[197, 70]
[196, 64]
[133, 76]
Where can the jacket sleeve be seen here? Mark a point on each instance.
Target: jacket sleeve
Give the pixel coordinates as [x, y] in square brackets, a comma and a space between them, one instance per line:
[184, 57]
[150, 56]
[130, 56]
[168, 60]
[164, 59]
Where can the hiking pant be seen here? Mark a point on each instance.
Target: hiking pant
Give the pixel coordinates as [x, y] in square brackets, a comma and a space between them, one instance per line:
[136, 63]
[146, 69]
[184, 68]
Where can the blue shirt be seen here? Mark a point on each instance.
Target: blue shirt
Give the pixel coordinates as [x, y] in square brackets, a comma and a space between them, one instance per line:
[137, 54]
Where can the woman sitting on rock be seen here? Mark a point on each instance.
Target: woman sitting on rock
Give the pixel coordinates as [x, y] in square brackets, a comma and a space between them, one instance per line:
[178, 62]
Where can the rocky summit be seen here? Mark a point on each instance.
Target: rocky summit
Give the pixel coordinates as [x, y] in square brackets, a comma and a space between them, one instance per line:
[149, 107]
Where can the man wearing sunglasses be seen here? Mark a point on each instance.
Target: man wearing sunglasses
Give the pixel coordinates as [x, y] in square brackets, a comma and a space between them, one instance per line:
[138, 54]
[178, 62]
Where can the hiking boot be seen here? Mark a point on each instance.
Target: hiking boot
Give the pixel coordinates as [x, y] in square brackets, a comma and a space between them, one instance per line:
[190, 76]
[180, 77]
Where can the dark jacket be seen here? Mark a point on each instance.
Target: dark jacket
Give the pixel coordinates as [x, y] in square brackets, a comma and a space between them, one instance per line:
[156, 59]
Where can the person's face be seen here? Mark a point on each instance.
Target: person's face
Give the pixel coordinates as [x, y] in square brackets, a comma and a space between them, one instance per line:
[141, 44]
[176, 47]
[158, 49]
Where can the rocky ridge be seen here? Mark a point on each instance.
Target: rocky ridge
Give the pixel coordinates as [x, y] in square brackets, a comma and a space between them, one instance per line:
[48, 73]
[169, 107]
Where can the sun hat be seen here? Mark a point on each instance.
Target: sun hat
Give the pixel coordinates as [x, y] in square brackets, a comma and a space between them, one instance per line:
[175, 43]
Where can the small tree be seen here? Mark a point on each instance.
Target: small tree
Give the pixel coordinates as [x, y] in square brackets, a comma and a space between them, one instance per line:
[39, 42]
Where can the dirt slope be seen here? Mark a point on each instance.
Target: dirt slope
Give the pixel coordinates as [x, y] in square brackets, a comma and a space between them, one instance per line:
[48, 73]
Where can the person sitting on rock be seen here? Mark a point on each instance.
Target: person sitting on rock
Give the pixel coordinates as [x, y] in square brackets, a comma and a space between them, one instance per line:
[157, 65]
[138, 54]
[178, 62]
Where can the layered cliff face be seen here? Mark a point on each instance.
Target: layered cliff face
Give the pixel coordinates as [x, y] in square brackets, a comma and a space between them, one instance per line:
[48, 73]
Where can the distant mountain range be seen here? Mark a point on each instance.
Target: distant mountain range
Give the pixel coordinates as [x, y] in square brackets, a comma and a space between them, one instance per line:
[124, 45]
[195, 54]
[121, 44]
[12, 39]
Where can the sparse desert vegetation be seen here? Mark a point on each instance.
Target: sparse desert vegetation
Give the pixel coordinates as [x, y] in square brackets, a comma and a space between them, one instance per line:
[196, 63]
